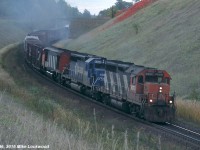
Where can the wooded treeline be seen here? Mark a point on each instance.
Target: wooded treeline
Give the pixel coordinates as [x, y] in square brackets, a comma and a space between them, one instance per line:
[119, 5]
[38, 14]
[39, 9]
[50, 12]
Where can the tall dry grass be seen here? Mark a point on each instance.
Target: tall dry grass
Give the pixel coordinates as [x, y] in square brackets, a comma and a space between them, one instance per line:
[188, 110]
[21, 126]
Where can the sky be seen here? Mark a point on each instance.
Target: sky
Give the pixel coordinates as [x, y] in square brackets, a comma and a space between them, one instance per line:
[94, 6]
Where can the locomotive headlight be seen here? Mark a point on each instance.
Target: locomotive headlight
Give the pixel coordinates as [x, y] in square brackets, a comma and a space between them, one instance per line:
[170, 102]
[151, 100]
[160, 90]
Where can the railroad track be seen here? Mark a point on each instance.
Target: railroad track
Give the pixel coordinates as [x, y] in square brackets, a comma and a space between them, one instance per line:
[189, 138]
[192, 136]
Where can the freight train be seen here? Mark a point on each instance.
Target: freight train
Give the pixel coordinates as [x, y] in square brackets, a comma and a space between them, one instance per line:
[141, 91]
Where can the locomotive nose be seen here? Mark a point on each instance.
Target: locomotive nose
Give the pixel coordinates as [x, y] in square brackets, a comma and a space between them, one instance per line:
[160, 112]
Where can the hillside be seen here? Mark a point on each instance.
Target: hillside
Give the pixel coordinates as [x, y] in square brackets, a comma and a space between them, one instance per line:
[163, 35]
[11, 31]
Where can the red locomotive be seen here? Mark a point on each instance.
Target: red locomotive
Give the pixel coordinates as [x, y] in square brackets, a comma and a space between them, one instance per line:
[151, 87]
[141, 91]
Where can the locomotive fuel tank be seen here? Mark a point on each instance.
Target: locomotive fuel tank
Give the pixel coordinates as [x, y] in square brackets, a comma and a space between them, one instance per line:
[120, 105]
[75, 87]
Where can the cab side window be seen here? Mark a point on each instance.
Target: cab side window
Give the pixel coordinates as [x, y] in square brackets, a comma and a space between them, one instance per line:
[140, 80]
[167, 80]
[46, 55]
[133, 80]
[91, 66]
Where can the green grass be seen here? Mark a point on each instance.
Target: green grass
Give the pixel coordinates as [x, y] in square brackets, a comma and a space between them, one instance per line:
[163, 35]
[11, 31]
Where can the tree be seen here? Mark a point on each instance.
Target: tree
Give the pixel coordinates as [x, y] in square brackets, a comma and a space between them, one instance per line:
[86, 14]
[120, 4]
[106, 13]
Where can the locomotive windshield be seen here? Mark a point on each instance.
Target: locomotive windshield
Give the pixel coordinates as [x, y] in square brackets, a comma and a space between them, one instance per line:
[154, 79]
[99, 65]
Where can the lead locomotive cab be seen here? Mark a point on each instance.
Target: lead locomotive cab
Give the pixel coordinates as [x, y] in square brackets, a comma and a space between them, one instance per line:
[150, 89]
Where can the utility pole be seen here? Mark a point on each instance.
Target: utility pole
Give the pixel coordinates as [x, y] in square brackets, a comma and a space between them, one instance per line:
[112, 9]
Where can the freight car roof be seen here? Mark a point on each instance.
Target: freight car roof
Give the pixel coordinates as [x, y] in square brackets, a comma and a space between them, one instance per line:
[92, 58]
[118, 63]
[34, 42]
[54, 49]
[83, 54]
[39, 32]
[75, 53]
[135, 69]
[62, 49]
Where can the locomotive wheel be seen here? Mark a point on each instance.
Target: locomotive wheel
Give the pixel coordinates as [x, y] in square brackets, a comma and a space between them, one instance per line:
[132, 110]
[135, 111]
[59, 79]
[106, 100]
[54, 76]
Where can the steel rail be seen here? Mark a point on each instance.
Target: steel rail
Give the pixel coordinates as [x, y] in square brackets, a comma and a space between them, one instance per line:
[188, 130]
[186, 137]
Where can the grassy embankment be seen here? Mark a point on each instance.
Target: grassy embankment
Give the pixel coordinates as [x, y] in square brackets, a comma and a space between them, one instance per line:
[18, 124]
[21, 126]
[61, 126]
[10, 32]
[164, 35]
